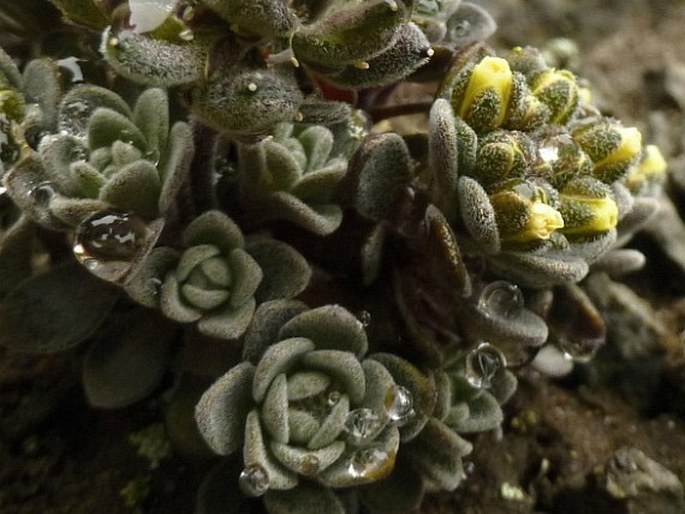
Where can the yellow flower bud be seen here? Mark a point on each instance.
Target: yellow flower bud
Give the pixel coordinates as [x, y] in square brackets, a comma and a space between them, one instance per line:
[652, 167]
[614, 149]
[523, 215]
[485, 99]
[558, 90]
[588, 208]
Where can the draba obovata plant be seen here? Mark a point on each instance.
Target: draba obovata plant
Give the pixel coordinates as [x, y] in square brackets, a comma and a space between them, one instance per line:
[379, 216]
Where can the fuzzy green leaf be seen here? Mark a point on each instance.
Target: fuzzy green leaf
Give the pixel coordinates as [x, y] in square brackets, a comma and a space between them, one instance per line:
[55, 310]
[135, 188]
[266, 325]
[228, 322]
[107, 126]
[223, 409]
[214, 228]
[286, 273]
[330, 327]
[127, 362]
[151, 116]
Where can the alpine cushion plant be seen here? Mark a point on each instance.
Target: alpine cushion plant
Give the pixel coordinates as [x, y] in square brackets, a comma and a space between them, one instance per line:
[163, 207]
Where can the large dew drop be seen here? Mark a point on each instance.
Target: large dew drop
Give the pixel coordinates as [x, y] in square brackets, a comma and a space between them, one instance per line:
[500, 299]
[372, 463]
[580, 350]
[399, 404]
[254, 480]
[108, 242]
[147, 15]
[482, 364]
[362, 425]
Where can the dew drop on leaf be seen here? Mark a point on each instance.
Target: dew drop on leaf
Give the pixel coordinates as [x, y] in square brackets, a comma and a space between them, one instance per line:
[501, 299]
[580, 350]
[399, 404]
[459, 30]
[362, 425]
[42, 193]
[369, 462]
[482, 364]
[107, 242]
[254, 480]
[364, 318]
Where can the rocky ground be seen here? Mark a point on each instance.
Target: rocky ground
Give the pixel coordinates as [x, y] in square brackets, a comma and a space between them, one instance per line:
[608, 439]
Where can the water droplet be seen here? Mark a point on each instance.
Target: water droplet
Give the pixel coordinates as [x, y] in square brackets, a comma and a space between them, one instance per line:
[73, 118]
[78, 153]
[254, 480]
[501, 299]
[368, 462]
[399, 404]
[42, 193]
[364, 318]
[577, 350]
[482, 364]
[186, 35]
[460, 29]
[309, 465]
[153, 156]
[469, 468]
[188, 13]
[107, 243]
[252, 87]
[333, 398]
[155, 285]
[362, 425]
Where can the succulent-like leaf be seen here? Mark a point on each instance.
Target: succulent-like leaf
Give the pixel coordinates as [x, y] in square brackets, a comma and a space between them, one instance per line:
[223, 409]
[176, 163]
[469, 24]
[127, 362]
[228, 322]
[136, 188]
[277, 359]
[107, 126]
[384, 174]
[144, 285]
[330, 327]
[286, 273]
[478, 214]
[266, 325]
[443, 156]
[268, 18]
[151, 116]
[41, 84]
[215, 228]
[155, 62]
[55, 310]
[350, 33]
[16, 249]
[79, 103]
[307, 497]
[409, 51]
[83, 12]
[437, 453]
[246, 102]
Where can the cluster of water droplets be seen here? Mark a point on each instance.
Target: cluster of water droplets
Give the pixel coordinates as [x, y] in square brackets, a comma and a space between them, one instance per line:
[108, 242]
[482, 365]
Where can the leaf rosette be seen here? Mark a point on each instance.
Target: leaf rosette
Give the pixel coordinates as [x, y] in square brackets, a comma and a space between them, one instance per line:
[306, 405]
[102, 155]
[293, 176]
[218, 277]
